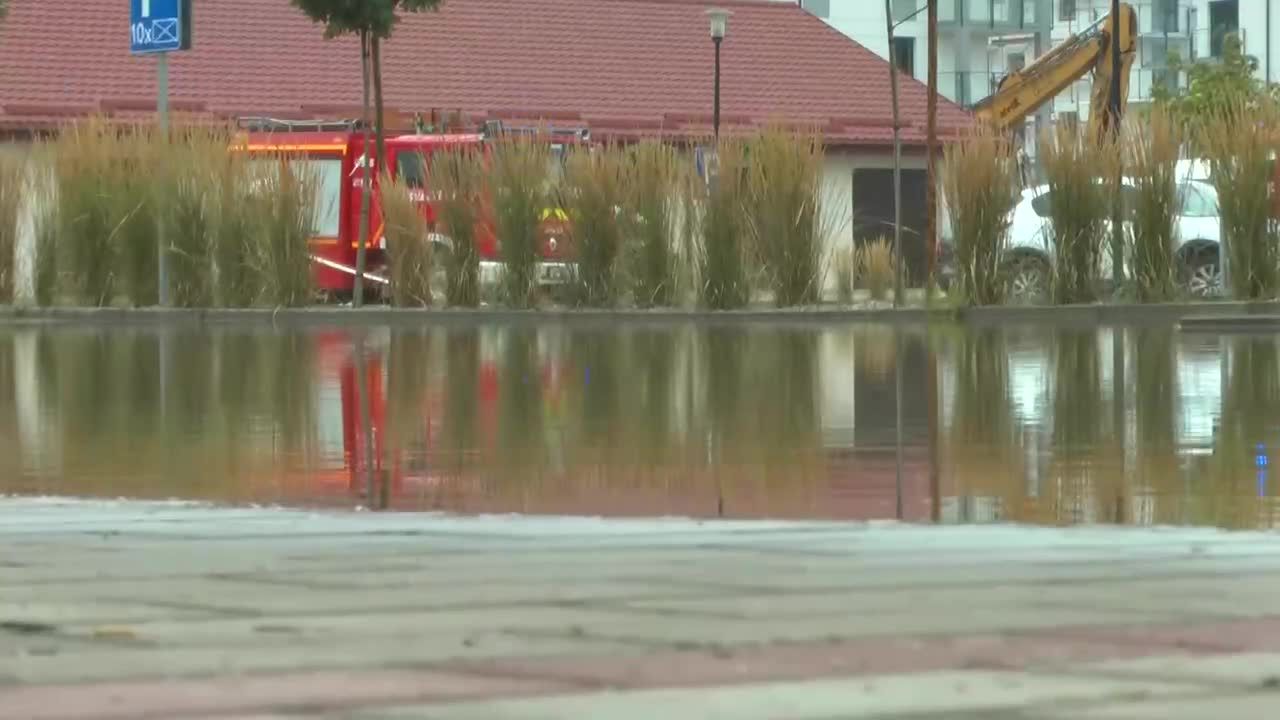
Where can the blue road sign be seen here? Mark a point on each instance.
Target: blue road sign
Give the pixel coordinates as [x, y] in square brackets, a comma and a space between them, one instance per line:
[158, 26]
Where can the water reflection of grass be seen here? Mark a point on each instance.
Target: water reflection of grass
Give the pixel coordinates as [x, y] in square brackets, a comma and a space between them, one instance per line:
[520, 426]
[1085, 479]
[1229, 496]
[1155, 387]
[984, 459]
[461, 396]
[121, 433]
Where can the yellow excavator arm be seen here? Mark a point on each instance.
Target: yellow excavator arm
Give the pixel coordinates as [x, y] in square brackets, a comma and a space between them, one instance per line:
[1023, 92]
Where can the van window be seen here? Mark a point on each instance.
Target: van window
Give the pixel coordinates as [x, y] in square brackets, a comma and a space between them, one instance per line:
[1198, 201]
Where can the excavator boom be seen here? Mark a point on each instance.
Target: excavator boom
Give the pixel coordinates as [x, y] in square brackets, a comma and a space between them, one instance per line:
[1023, 92]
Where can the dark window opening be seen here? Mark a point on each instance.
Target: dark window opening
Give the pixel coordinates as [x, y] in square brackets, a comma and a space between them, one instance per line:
[1224, 21]
[904, 54]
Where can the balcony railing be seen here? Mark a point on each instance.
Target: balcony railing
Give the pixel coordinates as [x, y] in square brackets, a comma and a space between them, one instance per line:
[1154, 17]
[998, 14]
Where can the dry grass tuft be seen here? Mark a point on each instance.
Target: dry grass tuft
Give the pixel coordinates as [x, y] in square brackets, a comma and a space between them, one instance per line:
[1238, 140]
[408, 248]
[520, 193]
[876, 267]
[1150, 159]
[786, 218]
[1079, 207]
[592, 195]
[980, 186]
[458, 178]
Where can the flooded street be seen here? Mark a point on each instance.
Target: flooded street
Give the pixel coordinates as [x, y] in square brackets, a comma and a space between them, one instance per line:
[1123, 426]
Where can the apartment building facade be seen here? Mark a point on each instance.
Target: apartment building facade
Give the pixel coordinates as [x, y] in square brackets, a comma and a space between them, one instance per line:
[981, 40]
[1190, 29]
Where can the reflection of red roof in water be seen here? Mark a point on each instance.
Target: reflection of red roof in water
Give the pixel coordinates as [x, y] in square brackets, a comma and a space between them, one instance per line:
[627, 65]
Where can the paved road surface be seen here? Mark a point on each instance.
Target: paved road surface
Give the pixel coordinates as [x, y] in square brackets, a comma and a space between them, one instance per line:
[130, 610]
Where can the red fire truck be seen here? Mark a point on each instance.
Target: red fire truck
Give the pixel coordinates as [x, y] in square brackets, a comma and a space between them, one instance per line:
[334, 153]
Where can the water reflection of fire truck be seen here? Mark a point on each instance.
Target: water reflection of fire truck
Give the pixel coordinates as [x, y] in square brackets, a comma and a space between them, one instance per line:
[333, 153]
[414, 460]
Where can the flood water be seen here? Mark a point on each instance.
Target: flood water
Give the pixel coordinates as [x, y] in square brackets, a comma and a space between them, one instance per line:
[1143, 426]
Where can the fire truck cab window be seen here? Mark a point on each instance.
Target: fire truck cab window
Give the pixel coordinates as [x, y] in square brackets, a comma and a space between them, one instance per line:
[411, 166]
[327, 176]
[324, 174]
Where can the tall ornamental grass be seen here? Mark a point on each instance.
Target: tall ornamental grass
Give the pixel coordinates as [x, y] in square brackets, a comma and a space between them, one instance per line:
[232, 218]
[1079, 206]
[1150, 160]
[592, 194]
[408, 248]
[284, 211]
[13, 183]
[784, 189]
[104, 228]
[723, 281]
[980, 187]
[186, 205]
[458, 181]
[520, 194]
[1238, 140]
[650, 181]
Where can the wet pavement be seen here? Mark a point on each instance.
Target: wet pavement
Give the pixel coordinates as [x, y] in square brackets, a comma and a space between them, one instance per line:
[143, 610]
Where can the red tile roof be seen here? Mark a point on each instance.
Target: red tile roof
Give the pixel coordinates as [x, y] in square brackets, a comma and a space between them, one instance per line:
[620, 65]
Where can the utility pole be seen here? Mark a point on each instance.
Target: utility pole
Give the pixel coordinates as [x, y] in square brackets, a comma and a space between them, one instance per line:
[931, 146]
[162, 113]
[1114, 119]
[897, 161]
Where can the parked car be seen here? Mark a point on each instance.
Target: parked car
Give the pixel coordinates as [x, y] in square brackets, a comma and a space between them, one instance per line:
[1197, 229]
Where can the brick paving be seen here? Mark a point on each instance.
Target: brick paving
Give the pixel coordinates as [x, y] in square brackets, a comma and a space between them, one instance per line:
[144, 610]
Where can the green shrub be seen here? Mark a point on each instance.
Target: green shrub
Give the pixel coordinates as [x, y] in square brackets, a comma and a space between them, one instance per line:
[980, 186]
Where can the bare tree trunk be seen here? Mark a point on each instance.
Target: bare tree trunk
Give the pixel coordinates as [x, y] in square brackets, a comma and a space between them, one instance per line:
[931, 151]
[379, 118]
[366, 191]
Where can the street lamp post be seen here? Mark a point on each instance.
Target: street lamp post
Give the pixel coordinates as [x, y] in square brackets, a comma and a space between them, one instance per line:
[719, 28]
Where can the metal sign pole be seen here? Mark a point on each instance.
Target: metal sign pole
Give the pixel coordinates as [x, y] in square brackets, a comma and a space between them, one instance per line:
[162, 110]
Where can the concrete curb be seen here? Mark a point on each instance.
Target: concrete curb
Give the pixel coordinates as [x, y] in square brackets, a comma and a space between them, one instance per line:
[1070, 315]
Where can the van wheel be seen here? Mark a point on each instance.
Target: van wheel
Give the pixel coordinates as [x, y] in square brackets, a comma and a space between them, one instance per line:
[1202, 273]
[1027, 279]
